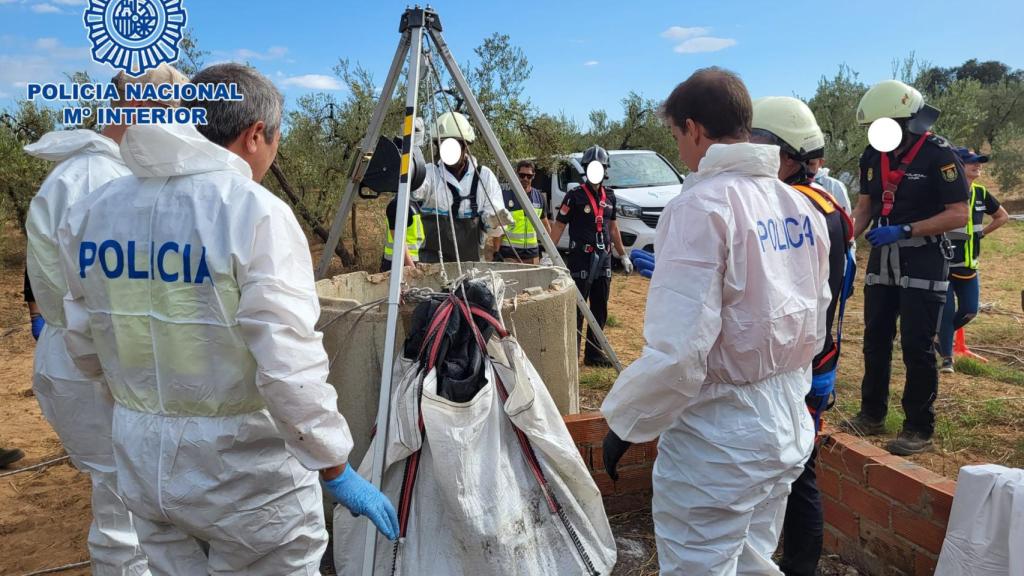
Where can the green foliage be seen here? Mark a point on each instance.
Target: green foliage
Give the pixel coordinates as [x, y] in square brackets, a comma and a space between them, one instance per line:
[835, 105]
[21, 174]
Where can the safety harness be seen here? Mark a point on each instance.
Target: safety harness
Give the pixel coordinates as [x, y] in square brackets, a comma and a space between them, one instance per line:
[599, 255]
[822, 395]
[890, 253]
[458, 196]
[827, 205]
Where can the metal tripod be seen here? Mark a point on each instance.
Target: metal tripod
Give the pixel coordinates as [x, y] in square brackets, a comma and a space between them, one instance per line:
[415, 22]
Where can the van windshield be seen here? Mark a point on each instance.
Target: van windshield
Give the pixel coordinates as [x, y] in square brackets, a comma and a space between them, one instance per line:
[640, 170]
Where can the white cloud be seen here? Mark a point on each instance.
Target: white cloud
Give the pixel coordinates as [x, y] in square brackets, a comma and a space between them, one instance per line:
[45, 9]
[704, 44]
[272, 53]
[313, 82]
[70, 2]
[695, 39]
[591, 63]
[681, 33]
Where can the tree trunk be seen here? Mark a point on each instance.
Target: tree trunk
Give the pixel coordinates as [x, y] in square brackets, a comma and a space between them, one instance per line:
[304, 213]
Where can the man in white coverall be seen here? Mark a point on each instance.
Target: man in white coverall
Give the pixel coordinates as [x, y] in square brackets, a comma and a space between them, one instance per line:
[79, 407]
[191, 292]
[735, 314]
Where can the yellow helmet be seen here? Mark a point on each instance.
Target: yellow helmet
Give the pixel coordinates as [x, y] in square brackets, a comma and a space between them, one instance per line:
[792, 123]
[896, 100]
[453, 125]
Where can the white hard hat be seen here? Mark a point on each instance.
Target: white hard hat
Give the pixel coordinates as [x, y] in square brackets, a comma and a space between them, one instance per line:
[896, 100]
[792, 123]
[453, 125]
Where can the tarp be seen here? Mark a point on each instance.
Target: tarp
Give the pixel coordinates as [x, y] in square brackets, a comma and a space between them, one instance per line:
[985, 536]
[500, 487]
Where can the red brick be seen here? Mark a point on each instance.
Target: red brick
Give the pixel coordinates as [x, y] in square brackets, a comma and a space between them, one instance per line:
[849, 454]
[828, 482]
[589, 428]
[924, 564]
[837, 516]
[604, 483]
[900, 479]
[882, 543]
[918, 530]
[830, 540]
[940, 498]
[866, 505]
[585, 451]
[634, 480]
[651, 451]
[636, 454]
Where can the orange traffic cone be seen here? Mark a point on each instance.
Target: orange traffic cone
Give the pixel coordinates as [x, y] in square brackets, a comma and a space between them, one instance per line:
[960, 347]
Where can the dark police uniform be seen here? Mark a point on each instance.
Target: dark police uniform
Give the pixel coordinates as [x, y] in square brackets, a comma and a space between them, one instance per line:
[803, 525]
[589, 258]
[519, 242]
[908, 280]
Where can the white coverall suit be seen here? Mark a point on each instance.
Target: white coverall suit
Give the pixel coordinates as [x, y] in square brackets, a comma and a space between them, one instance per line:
[735, 314]
[191, 291]
[78, 407]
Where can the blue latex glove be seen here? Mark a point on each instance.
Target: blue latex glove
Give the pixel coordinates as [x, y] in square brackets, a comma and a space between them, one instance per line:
[851, 274]
[37, 325]
[885, 235]
[822, 387]
[363, 499]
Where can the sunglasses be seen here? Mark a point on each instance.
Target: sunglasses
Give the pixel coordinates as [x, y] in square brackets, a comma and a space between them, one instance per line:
[523, 176]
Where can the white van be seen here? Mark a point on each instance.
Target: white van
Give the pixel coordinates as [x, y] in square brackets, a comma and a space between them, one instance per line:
[643, 181]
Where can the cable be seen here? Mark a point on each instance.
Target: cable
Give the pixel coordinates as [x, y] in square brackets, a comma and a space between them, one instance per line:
[35, 466]
[59, 568]
[469, 149]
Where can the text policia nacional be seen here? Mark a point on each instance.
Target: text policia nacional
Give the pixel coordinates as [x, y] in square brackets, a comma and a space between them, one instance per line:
[156, 93]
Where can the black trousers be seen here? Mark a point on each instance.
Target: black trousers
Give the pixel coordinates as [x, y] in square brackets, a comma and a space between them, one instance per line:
[918, 312]
[803, 525]
[596, 291]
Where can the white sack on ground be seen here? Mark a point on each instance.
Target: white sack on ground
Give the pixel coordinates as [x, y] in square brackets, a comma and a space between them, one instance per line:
[985, 536]
[477, 507]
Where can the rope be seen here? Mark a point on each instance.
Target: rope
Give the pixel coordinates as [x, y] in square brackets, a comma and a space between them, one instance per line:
[34, 467]
[469, 148]
[59, 568]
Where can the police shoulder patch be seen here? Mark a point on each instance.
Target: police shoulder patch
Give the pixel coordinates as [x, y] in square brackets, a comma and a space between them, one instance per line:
[949, 172]
[871, 174]
[938, 141]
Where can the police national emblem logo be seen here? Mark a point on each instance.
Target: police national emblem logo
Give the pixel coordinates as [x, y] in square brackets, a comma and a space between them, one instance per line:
[949, 172]
[135, 35]
[586, 209]
[871, 174]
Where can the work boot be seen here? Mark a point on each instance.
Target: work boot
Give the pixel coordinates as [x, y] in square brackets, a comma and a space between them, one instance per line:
[947, 365]
[908, 443]
[8, 457]
[861, 425]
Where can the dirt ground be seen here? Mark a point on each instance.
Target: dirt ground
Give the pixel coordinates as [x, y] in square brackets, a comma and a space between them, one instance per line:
[44, 515]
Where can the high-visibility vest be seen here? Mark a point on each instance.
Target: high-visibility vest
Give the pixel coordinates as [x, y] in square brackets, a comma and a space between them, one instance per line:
[521, 235]
[966, 234]
[414, 236]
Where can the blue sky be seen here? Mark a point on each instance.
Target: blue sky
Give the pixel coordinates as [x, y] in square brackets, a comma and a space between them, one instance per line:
[585, 54]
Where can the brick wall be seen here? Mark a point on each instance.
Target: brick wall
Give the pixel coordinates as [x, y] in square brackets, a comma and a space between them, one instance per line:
[883, 514]
[633, 489]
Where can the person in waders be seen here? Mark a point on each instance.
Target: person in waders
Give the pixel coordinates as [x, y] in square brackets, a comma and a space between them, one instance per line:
[462, 190]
